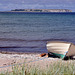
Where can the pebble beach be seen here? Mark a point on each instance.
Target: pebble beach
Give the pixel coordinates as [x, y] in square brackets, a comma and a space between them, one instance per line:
[8, 60]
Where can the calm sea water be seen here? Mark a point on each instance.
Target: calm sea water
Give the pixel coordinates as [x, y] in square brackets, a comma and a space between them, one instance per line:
[29, 32]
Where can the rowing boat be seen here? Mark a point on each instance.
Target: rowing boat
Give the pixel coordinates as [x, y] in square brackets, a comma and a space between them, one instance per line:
[61, 49]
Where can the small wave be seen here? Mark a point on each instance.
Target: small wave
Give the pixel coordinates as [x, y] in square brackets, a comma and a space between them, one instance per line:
[20, 40]
[26, 49]
[23, 47]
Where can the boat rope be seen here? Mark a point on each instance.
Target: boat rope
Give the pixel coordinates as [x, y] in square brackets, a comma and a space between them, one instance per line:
[22, 63]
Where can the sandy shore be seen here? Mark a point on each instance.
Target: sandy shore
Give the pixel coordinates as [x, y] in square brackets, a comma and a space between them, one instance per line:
[12, 59]
[7, 60]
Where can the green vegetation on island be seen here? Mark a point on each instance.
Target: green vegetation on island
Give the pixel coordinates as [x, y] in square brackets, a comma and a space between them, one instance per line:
[41, 10]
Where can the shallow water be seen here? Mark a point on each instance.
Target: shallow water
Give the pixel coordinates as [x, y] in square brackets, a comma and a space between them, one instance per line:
[29, 32]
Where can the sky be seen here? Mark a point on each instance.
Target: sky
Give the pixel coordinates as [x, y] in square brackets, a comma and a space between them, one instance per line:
[7, 5]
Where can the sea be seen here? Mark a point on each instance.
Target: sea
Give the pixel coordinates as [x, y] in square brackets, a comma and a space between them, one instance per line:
[30, 32]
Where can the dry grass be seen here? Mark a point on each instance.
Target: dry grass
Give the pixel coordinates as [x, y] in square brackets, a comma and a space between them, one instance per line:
[57, 68]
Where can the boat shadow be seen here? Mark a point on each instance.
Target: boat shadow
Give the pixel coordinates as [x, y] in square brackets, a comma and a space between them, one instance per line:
[65, 58]
[69, 58]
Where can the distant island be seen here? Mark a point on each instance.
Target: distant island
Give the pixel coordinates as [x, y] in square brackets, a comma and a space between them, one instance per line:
[40, 10]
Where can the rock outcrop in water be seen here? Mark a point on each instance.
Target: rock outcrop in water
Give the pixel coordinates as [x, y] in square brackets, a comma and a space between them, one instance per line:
[41, 10]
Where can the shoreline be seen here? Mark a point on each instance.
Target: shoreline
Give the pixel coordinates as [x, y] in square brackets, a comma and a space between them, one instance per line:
[37, 12]
[27, 58]
[10, 52]
[15, 58]
[8, 60]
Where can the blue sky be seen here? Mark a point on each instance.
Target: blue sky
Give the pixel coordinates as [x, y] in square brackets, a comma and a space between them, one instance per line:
[6, 5]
